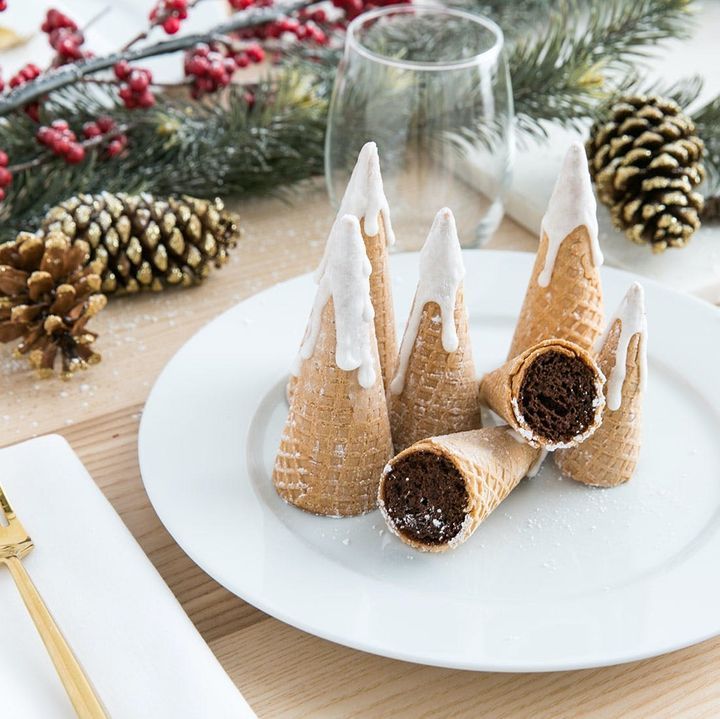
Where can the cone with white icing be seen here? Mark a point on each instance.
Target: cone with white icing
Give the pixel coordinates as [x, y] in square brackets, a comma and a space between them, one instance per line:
[336, 438]
[435, 493]
[610, 456]
[365, 199]
[564, 295]
[551, 394]
[434, 390]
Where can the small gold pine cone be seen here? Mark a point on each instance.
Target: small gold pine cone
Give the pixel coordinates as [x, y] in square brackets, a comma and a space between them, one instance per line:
[142, 242]
[48, 293]
[646, 162]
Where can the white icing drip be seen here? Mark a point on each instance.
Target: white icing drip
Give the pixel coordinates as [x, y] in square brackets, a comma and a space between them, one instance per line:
[631, 314]
[344, 277]
[537, 464]
[441, 272]
[364, 196]
[571, 205]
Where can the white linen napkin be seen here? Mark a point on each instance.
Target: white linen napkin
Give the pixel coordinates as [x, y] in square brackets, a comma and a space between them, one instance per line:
[132, 637]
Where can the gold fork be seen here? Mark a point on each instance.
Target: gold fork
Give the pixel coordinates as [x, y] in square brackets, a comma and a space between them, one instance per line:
[15, 544]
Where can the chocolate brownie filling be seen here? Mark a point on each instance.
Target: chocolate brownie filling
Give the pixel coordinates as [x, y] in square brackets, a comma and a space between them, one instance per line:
[426, 499]
[556, 396]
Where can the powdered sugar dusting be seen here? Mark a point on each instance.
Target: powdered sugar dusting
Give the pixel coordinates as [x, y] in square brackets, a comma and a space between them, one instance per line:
[571, 205]
[633, 320]
[441, 273]
[365, 197]
[344, 276]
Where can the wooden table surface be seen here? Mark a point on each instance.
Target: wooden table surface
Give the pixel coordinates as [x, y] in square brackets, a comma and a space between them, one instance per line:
[280, 670]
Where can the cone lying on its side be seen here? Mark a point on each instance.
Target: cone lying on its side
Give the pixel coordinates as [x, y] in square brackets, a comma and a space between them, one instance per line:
[336, 439]
[564, 296]
[552, 394]
[434, 390]
[435, 493]
[610, 456]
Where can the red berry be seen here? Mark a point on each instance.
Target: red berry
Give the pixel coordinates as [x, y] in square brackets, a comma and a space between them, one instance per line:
[115, 148]
[4, 159]
[32, 110]
[171, 25]
[44, 134]
[138, 80]
[146, 99]
[242, 60]
[201, 49]
[105, 123]
[2, 192]
[61, 145]
[5, 177]
[122, 69]
[91, 129]
[60, 125]
[255, 53]
[75, 154]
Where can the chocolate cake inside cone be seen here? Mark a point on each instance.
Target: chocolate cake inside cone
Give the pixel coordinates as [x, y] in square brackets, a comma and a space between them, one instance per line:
[552, 394]
[435, 493]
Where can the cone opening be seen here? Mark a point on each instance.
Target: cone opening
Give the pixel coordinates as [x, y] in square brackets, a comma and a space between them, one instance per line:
[425, 498]
[558, 397]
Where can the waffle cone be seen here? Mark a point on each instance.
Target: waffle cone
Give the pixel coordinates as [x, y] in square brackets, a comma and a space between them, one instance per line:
[570, 307]
[382, 300]
[490, 460]
[500, 391]
[610, 456]
[336, 439]
[439, 394]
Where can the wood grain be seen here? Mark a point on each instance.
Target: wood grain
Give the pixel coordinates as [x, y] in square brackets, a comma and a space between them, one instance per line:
[284, 672]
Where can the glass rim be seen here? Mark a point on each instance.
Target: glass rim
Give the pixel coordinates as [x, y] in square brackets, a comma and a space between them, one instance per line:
[486, 56]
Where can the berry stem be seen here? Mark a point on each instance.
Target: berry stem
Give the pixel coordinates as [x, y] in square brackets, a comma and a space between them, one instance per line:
[73, 72]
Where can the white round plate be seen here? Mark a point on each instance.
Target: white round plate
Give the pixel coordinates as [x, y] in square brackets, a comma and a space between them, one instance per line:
[560, 576]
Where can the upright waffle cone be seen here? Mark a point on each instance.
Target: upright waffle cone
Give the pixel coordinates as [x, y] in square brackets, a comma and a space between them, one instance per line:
[570, 307]
[500, 391]
[439, 394]
[381, 297]
[610, 456]
[491, 462]
[564, 297]
[336, 439]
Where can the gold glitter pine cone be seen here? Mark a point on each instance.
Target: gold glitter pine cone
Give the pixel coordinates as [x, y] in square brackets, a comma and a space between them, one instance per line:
[142, 242]
[646, 162]
[48, 293]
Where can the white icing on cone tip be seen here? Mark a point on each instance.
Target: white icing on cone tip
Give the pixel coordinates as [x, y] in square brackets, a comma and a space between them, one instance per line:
[571, 205]
[344, 276]
[441, 273]
[633, 320]
[364, 196]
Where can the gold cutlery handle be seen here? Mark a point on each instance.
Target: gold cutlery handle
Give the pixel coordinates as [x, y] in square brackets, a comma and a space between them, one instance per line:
[83, 697]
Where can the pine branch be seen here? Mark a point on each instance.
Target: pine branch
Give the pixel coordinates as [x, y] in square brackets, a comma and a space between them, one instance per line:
[707, 124]
[561, 75]
[228, 146]
[72, 73]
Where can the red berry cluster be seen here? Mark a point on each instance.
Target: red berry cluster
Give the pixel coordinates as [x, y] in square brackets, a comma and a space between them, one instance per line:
[135, 85]
[62, 141]
[25, 74]
[169, 14]
[213, 68]
[64, 37]
[5, 175]
[104, 126]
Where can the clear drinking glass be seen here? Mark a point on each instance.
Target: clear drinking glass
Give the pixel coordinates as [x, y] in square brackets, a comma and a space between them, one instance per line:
[430, 86]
